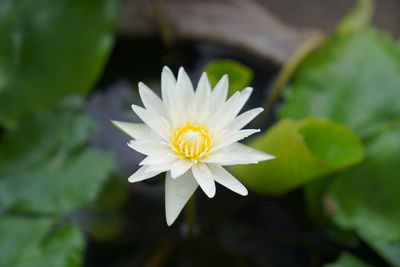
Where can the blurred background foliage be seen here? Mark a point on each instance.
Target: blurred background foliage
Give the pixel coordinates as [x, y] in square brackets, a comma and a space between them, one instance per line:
[51, 54]
[332, 119]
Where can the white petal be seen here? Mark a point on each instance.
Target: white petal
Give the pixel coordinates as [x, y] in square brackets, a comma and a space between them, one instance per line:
[225, 114]
[182, 98]
[243, 119]
[219, 93]
[204, 178]
[158, 159]
[202, 99]
[134, 130]
[149, 147]
[184, 85]
[232, 137]
[180, 167]
[177, 193]
[168, 87]
[226, 179]
[141, 175]
[168, 82]
[150, 100]
[228, 111]
[254, 154]
[159, 167]
[237, 153]
[154, 121]
[244, 96]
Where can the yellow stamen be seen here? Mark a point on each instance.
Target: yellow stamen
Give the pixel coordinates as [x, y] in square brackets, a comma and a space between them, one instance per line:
[191, 141]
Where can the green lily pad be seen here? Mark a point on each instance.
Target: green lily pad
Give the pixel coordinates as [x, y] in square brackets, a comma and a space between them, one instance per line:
[33, 242]
[304, 150]
[50, 49]
[240, 75]
[56, 187]
[347, 260]
[367, 197]
[353, 80]
[319, 208]
[46, 134]
[42, 167]
[389, 250]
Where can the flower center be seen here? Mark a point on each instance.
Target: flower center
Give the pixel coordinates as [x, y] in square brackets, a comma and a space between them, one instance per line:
[191, 141]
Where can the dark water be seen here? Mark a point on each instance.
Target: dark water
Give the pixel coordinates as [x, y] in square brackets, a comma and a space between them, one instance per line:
[234, 231]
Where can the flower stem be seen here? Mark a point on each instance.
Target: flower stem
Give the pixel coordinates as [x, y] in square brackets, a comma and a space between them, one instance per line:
[190, 216]
[286, 73]
[290, 67]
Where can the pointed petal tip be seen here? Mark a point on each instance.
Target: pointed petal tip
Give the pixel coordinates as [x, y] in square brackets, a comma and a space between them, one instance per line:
[134, 107]
[177, 193]
[166, 68]
[244, 193]
[210, 194]
[117, 124]
[266, 158]
[181, 69]
[131, 180]
[248, 90]
[170, 219]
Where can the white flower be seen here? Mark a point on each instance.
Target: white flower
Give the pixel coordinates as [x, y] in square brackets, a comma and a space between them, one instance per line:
[191, 135]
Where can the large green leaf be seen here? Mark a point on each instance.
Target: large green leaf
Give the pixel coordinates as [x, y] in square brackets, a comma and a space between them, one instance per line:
[347, 260]
[42, 169]
[389, 250]
[57, 186]
[304, 150]
[240, 75]
[32, 242]
[50, 48]
[367, 197]
[42, 136]
[318, 208]
[353, 80]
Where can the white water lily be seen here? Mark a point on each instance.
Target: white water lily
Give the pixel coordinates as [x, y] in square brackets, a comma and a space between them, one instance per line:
[190, 134]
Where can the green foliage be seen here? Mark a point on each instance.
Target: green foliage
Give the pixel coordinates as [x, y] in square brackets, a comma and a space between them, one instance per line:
[51, 49]
[352, 80]
[389, 250]
[304, 150]
[366, 198]
[34, 242]
[347, 260]
[51, 133]
[355, 80]
[103, 219]
[102, 225]
[357, 19]
[50, 175]
[319, 207]
[240, 75]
